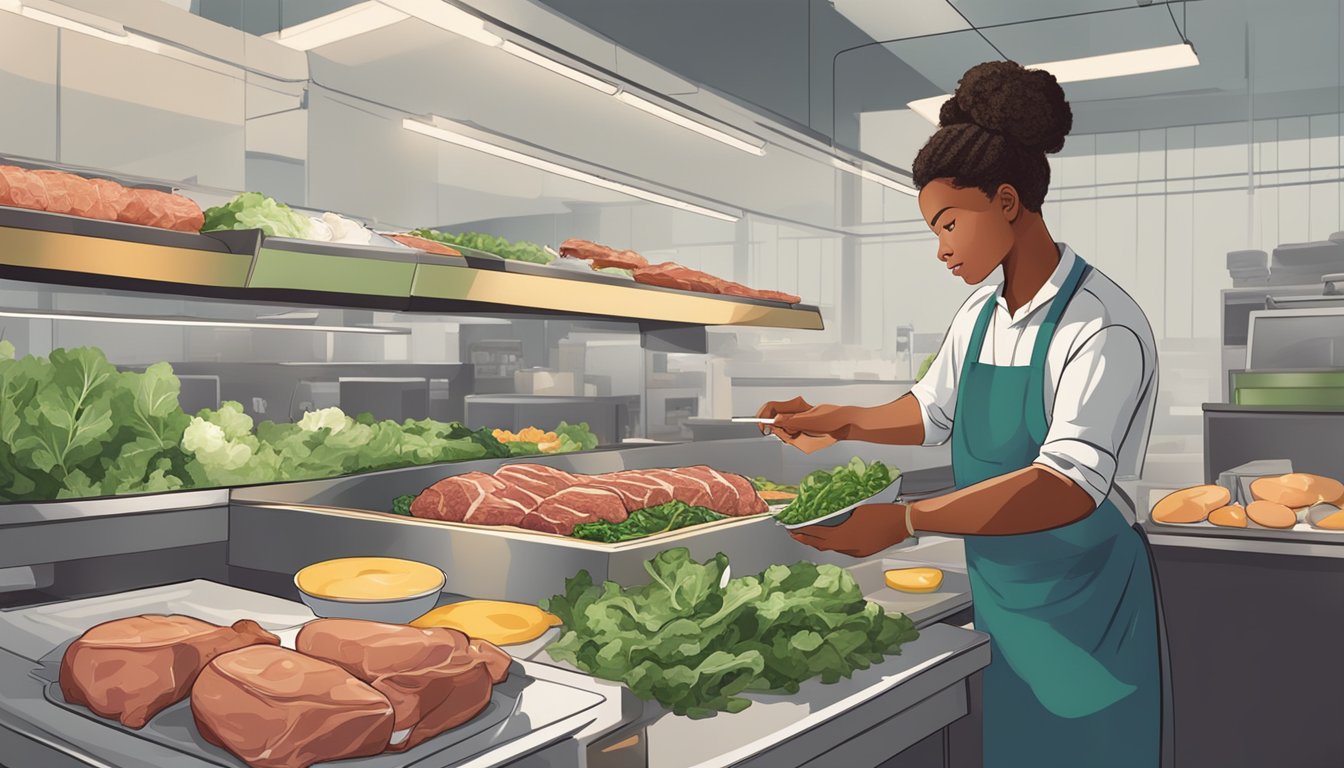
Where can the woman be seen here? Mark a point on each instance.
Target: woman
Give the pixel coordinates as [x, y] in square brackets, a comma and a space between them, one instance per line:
[1045, 385]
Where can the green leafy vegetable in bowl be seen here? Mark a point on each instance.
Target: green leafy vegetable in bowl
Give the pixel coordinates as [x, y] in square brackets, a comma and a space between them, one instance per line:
[402, 505]
[647, 522]
[824, 492]
[253, 210]
[498, 246]
[697, 648]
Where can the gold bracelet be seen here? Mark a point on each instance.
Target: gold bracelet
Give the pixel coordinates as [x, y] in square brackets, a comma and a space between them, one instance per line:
[909, 524]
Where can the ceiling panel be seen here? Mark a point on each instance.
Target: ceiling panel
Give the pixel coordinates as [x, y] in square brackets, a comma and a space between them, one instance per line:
[1079, 36]
[895, 19]
[943, 59]
[986, 12]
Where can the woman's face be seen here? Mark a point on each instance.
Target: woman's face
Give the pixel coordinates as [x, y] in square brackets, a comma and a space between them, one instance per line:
[975, 232]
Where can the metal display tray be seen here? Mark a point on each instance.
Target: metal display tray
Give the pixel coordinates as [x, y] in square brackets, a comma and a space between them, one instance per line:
[536, 707]
[283, 528]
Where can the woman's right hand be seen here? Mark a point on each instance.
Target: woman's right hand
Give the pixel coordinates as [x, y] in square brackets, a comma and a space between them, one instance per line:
[804, 426]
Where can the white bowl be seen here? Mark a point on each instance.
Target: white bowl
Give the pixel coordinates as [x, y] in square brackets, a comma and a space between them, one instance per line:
[396, 610]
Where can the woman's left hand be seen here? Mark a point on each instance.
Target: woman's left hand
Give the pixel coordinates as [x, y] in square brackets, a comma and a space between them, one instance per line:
[869, 530]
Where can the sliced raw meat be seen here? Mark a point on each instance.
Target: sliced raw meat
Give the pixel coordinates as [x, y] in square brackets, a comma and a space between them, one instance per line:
[750, 501]
[152, 208]
[423, 244]
[537, 479]
[724, 497]
[522, 497]
[601, 256]
[688, 489]
[113, 198]
[672, 275]
[736, 289]
[276, 708]
[57, 184]
[131, 669]
[436, 678]
[455, 498]
[637, 490]
[573, 506]
[21, 189]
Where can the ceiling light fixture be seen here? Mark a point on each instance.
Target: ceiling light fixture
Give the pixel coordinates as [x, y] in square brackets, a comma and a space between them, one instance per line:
[85, 317]
[874, 177]
[97, 27]
[641, 103]
[461, 140]
[1123, 64]
[375, 14]
[447, 17]
[348, 22]
[564, 70]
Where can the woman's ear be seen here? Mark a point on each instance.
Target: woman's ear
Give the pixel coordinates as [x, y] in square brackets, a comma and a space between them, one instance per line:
[1008, 202]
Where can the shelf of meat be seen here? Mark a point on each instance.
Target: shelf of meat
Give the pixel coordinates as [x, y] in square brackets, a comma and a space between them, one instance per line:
[74, 229]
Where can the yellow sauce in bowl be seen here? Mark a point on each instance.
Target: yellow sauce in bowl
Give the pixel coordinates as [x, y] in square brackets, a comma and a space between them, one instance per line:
[369, 578]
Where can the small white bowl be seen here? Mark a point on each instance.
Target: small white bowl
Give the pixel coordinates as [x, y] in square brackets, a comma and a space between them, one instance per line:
[398, 610]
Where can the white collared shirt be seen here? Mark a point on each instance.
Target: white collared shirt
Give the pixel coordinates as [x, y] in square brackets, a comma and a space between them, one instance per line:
[1100, 377]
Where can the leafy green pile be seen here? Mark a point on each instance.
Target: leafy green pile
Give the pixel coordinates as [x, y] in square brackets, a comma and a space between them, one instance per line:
[519, 251]
[253, 210]
[823, 492]
[696, 649]
[73, 426]
[402, 505]
[646, 522]
[766, 484]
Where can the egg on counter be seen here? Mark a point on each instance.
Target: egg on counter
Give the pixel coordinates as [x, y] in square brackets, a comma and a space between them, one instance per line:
[917, 580]
[495, 621]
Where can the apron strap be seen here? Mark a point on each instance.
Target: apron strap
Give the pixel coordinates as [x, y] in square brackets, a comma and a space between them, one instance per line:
[1036, 421]
[978, 335]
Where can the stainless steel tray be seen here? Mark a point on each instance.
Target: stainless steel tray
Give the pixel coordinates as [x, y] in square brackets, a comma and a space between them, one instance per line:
[536, 707]
[283, 528]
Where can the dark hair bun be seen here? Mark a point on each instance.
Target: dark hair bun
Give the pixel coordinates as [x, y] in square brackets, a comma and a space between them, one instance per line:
[1024, 105]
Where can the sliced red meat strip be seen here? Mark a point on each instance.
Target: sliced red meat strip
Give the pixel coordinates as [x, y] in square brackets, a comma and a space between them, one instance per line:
[454, 498]
[573, 506]
[638, 490]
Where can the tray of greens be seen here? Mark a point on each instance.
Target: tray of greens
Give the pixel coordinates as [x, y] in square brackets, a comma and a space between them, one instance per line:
[495, 246]
[830, 497]
[698, 642]
[647, 522]
[74, 426]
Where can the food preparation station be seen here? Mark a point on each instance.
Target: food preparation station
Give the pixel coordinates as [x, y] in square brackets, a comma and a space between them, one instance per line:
[450, 168]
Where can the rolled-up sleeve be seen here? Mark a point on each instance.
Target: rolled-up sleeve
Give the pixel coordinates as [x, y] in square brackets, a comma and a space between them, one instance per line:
[1096, 402]
[937, 392]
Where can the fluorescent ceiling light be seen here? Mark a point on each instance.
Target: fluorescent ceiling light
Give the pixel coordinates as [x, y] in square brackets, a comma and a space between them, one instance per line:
[349, 22]
[374, 14]
[112, 32]
[447, 17]
[639, 102]
[874, 177]
[84, 317]
[564, 70]
[1123, 64]
[930, 107]
[460, 140]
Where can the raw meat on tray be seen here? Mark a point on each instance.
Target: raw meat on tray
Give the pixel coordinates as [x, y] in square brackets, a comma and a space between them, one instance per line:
[555, 501]
[436, 678]
[277, 708]
[131, 669]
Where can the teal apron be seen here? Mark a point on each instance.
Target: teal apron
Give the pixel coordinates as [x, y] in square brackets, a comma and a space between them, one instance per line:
[1071, 612]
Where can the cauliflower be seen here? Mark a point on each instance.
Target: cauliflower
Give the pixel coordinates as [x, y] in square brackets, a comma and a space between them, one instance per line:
[210, 445]
[333, 419]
